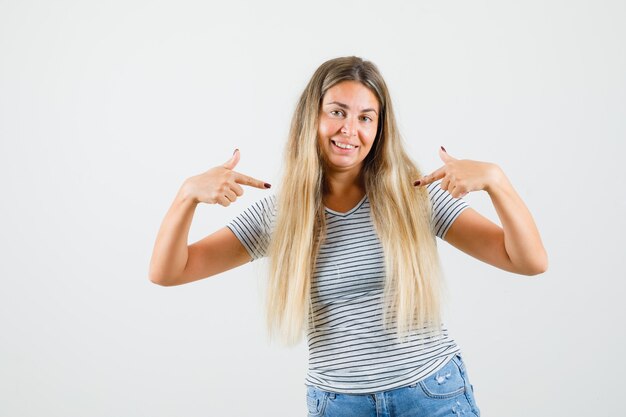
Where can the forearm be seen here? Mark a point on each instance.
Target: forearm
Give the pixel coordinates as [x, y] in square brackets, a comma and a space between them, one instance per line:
[521, 237]
[170, 253]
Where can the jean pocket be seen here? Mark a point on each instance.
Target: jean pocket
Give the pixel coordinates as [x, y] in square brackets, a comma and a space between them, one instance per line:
[470, 388]
[315, 401]
[447, 382]
[459, 361]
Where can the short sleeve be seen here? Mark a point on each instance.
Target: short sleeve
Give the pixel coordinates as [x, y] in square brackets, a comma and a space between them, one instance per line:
[445, 208]
[253, 227]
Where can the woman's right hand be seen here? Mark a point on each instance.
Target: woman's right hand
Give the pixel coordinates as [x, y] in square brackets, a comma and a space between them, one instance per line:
[220, 185]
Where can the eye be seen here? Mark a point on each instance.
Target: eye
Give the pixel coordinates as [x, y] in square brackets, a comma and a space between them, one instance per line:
[336, 112]
[367, 118]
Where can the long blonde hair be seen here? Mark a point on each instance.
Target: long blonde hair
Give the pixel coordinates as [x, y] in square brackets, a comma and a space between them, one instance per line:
[400, 214]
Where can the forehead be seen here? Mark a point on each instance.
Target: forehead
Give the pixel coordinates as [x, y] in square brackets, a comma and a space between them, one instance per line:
[352, 93]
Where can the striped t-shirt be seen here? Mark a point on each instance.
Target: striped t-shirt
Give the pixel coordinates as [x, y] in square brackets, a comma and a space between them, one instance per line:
[350, 351]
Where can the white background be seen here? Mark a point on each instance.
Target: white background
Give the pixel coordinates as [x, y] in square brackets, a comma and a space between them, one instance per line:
[106, 107]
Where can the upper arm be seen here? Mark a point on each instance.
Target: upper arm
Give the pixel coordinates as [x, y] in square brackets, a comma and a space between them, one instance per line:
[214, 254]
[244, 239]
[479, 237]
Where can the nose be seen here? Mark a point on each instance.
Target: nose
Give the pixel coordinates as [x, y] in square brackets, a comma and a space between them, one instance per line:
[349, 127]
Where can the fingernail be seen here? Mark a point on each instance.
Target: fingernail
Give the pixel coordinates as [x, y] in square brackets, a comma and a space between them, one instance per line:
[444, 149]
[266, 185]
[236, 149]
[417, 183]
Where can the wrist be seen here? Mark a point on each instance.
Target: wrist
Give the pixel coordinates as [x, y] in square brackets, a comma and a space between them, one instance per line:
[186, 194]
[496, 178]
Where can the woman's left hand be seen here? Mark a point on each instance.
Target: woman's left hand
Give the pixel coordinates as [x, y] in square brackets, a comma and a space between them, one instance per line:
[461, 176]
[514, 247]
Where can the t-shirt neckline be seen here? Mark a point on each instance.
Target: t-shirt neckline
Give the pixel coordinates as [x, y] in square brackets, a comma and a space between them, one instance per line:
[352, 210]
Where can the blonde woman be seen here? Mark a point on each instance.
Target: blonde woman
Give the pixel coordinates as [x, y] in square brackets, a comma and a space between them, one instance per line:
[351, 243]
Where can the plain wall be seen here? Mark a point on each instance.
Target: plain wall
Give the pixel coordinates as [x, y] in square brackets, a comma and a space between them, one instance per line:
[106, 108]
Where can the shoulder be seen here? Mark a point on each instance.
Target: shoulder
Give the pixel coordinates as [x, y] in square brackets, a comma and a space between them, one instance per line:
[260, 212]
[440, 197]
[266, 204]
[434, 190]
[445, 208]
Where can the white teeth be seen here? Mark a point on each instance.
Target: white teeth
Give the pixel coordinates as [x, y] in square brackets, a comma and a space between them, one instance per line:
[344, 145]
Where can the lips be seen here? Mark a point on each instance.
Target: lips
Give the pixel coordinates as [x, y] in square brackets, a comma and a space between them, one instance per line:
[352, 146]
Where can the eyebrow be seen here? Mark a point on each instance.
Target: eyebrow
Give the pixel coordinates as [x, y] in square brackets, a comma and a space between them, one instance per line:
[345, 106]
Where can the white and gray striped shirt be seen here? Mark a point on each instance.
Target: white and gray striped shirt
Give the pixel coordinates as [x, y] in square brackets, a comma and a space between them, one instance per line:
[349, 349]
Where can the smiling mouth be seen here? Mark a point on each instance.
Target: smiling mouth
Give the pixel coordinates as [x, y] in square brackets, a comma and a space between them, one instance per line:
[344, 146]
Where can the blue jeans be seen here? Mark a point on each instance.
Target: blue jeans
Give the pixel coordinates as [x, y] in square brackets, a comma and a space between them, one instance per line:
[446, 392]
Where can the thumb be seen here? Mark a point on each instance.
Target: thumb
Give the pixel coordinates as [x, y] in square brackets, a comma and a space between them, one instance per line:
[232, 162]
[445, 156]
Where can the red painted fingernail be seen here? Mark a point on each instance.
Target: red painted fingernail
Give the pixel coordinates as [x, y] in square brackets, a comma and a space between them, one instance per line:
[417, 183]
[444, 149]
[266, 185]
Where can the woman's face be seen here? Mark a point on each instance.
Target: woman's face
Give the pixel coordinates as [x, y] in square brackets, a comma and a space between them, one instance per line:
[347, 125]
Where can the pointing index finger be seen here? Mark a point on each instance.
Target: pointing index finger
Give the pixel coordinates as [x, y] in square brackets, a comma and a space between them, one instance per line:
[434, 176]
[252, 182]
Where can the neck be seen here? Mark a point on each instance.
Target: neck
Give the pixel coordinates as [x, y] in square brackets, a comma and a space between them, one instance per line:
[344, 183]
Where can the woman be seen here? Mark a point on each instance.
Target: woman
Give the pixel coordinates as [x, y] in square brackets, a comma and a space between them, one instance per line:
[352, 253]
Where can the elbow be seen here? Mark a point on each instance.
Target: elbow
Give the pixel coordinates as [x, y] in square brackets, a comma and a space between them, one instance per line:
[537, 267]
[159, 279]
[538, 270]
